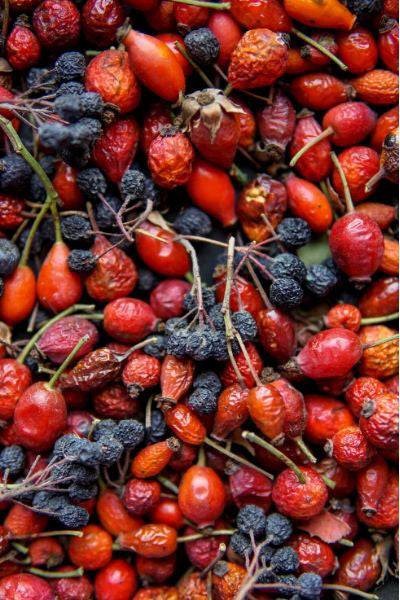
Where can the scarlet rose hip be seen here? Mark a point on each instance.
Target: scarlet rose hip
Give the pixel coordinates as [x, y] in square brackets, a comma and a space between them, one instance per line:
[297, 500]
[61, 338]
[57, 24]
[129, 320]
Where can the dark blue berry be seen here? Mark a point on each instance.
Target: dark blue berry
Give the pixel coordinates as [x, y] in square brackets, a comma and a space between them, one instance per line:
[82, 492]
[176, 343]
[310, 586]
[294, 232]
[106, 427]
[110, 450]
[69, 66]
[209, 380]
[73, 517]
[320, 280]
[130, 433]
[71, 87]
[245, 325]
[200, 343]
[147, 280]
[12, 458]
[158, 348]
[193, 221]
[286, 293]
[81, 261]
[15, 174]
[278, 529]
[288, 265]
[158, 428]
[251, 518]
[76, 229]
[241, 544]
[285, 560]
[202, 45]
[132, 184]
[91, 182]
[9, 256]
[203, 401]
[69, 107]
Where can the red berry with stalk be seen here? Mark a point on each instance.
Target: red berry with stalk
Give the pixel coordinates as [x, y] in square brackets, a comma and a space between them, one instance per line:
[314, 163]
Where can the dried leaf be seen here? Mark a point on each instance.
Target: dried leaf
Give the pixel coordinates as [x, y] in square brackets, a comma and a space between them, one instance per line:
[327, 527]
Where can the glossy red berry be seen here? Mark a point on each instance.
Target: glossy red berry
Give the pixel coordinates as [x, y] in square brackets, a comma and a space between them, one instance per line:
[361, 390]
[22, 48]
[25, 584]
[40, 417]
[129, 320]
[325, 417]
[315, 556]
[201, 495]
[379, 421]
[356, 243]
[116, 148]
[316, 163]
[166, 299]
[359, 164]
[351, 449]
[168, 258]
[100, 21]
[267, 410]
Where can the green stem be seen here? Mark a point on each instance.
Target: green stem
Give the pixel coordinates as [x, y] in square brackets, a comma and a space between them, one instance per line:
[346, 542]
[350, 590]
[20, 547]
[329, 482]
[168, 484]
[236, 458]
[67, 362]
[346, 189]
[252, 437]
[195, 66]
[42, 534]
[200, 536]
[56, 223]
[51, 194]
[318, 138]
[215, 5]
[40, 332]
[238, 174]
[320, 47]
[56, 574]
[304, 448]
[372, 320]
[379, 342]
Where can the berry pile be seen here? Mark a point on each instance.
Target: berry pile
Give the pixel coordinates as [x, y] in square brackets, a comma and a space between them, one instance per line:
[198, 299]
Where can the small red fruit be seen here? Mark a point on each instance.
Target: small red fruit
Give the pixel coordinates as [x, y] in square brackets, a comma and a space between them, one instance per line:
[129, 320]
[152, 459]
[299, 500]
[228, 34]
[211, 189]
[25, 584]
[141, 372]
[22, 48]
[92, 551]
[57, 24]
[15, 378]
[140, 497]
[359, 164]
[64, 182]
[151, 541]
[19, 296]
[109, 75]
[358, 50]
[316, 163]
[168, 258]
[267, 410]
[315, 556]
[40, 417]
[386, 515]
[58, 288]
[380, 298]
[228, 375]
[232, 411]
[62, 337]
[319, 91]
[356, 243]
[176, 377]
[359, 566]
[155, 65]
[201, 495]
[115, 150]
[371, 485]
[259, 59]
[361, 390]
[308, 202]
[379, 421]
[116, 581]
[100, 21]
[155, 119]
[325, 417]
[166, 299]
[344, 315]
[277, 334]
[351, 449]
[170, 158]
[249, 486]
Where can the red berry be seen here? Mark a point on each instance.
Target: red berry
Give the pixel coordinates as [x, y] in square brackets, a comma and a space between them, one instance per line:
[166, 299]
[61, 338]
[356, 243]
[115, 150]
[201, 495]
[22, 48]
[57, 24]
[100, 21]
[25, 585]
[299, 500]
[128, 319]
[351, 449]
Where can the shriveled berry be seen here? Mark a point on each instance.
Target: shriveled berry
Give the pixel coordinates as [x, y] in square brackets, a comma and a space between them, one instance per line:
[285, 560]
[12, 458]
[130, 433]
[203, 401]
[132, 184]
[202, 45]
[286, 292]
[245, 325]
[91, 182]
[278, 529]
[15, 174]
[81, 261]
[320, 280]
[9, 257]
[70, 66]
[251, 518]
[208, 380]
[76, 229]
[193, 221]
[241, 544]
[288, 265]
[294, 232]
[310, 586]
[200, 343]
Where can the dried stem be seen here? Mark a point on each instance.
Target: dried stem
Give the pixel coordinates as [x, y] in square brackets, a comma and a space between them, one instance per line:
[225, 310]
[236, 457]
